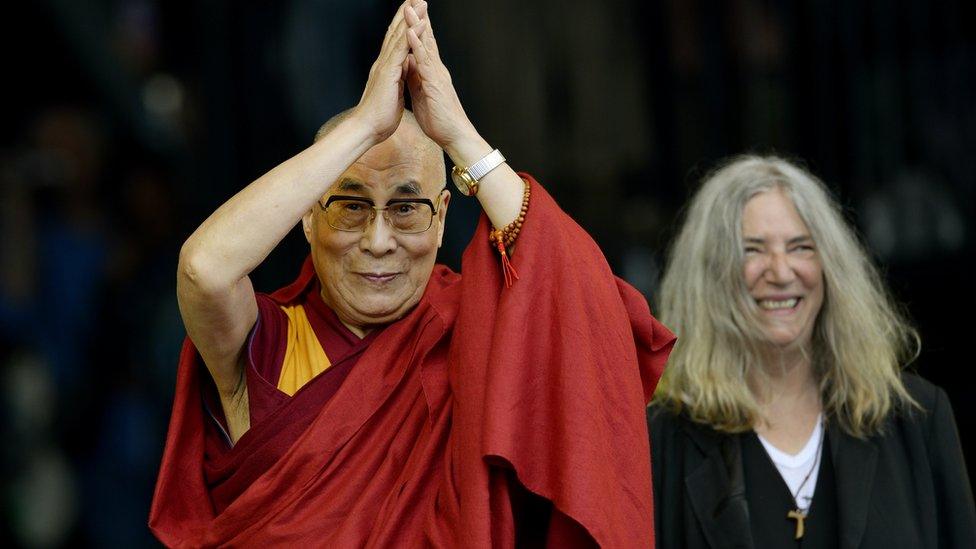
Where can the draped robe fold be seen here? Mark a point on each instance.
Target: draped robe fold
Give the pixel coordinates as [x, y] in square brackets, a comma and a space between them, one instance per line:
[419, 441]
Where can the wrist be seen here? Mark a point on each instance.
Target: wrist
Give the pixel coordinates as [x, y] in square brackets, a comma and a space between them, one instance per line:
[467, 149]
[362, 128]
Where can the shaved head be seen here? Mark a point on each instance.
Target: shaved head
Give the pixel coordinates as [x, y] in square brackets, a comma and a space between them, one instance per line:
[418, 140]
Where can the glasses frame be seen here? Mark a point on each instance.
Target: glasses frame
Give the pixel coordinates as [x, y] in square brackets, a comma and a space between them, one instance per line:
[372, 217]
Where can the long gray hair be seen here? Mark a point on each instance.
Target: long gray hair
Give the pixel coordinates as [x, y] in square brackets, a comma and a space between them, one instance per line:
[860, 340]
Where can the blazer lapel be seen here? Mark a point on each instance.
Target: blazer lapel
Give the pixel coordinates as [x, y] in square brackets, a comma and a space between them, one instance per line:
[855, 462]
[716, 490]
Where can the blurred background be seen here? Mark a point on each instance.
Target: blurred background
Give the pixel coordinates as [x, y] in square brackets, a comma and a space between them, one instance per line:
[126, 122]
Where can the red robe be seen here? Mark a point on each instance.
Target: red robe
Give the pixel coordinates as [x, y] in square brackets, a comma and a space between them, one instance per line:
[544, 382]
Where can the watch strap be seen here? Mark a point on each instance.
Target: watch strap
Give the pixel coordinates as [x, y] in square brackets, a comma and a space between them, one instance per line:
[481, 168]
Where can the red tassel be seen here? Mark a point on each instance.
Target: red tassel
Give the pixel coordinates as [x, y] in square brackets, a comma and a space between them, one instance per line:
[508, 270]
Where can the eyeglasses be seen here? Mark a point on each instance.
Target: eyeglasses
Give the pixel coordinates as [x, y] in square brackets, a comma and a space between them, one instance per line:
[405, 215]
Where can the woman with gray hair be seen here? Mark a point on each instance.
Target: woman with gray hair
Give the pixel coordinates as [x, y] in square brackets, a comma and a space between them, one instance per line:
[784, 418]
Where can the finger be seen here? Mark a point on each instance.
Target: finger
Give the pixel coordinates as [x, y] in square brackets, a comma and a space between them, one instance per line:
[397, 47]
[429, 41]
[413, 84]
[419, 50]
[419, 29]
[416, 16]
[413, 72]
[428, 35]
[414, 21]
[391, 29]
[420, 8]
[394, 39]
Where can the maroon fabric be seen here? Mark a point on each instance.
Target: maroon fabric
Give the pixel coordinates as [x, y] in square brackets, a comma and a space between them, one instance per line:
[277, 419]
[544, 382]
[268, 341]
[565, 359]
[266, 353]
[266, 350]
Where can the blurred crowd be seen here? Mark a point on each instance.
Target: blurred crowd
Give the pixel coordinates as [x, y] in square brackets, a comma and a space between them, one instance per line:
[89, 329]
[89, 237]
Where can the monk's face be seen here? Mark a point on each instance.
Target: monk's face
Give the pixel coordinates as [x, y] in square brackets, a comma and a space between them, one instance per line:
[376, 276]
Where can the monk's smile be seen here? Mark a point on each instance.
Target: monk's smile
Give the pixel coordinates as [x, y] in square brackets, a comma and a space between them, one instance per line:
[380, 278]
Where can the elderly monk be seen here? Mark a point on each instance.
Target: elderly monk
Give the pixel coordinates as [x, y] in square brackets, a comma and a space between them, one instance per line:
[382, 400]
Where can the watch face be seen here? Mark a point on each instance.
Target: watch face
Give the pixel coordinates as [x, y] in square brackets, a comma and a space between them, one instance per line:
[462, 181]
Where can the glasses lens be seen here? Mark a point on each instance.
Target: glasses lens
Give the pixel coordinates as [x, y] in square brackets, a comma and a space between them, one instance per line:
[410, 217]
[348, 215]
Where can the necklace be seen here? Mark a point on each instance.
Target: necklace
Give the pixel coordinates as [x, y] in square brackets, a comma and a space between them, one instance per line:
[798, 514]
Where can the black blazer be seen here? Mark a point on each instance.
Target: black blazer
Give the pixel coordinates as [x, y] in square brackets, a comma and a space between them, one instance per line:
[906, 488]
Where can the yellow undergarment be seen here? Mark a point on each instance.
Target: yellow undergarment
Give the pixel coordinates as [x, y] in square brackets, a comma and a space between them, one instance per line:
[304, 356]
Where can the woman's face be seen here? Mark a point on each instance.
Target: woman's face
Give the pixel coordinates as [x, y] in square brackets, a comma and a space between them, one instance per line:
[782, 268]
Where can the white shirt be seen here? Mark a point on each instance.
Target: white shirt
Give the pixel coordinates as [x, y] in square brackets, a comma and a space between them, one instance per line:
[794, 468]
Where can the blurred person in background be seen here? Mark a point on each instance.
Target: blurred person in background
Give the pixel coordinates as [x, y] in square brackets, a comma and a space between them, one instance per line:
[128, 409]
[382, 400]
[54, 246]
[55, 239]
[784, 418]
[85, 329]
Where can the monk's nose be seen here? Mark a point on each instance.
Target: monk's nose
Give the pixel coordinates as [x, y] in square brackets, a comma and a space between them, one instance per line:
[378, 238]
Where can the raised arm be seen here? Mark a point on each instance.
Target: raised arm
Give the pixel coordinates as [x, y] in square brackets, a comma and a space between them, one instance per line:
[215, 294]
[441, 116]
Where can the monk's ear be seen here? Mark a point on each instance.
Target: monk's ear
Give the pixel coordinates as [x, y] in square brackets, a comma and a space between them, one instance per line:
[307, 225]
[442, 215]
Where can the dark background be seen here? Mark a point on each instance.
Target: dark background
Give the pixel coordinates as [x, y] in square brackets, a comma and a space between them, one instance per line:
[125, 123]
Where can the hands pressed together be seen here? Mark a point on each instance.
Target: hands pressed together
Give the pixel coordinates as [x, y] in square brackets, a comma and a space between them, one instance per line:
[409, 60]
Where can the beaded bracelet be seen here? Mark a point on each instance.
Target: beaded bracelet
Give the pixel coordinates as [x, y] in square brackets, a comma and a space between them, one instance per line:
[504, 238]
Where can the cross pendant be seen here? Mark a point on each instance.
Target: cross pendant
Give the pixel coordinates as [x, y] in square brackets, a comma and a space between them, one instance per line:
[798, 516]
